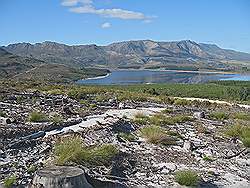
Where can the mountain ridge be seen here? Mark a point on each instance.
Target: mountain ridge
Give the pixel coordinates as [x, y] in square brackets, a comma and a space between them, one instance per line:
[141, 53]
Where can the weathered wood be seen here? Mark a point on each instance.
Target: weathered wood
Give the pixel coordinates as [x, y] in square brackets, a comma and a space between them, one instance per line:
[60, 177]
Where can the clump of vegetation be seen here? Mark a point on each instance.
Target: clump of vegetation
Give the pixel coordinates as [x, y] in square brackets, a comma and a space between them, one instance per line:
[175, 134]
[141, 119]
[187, 177]
[208, 158]
[242, 116]
[239, 131]
[10, 181]
[31, 169]
[181, 102]
[57, 119]
[92, 106]
[157, 135]
[38, 117]
[2, 114]
[167, 111]
[127, 136]
[72, 150]
[133, 96]
[162, 120]
[219, 115]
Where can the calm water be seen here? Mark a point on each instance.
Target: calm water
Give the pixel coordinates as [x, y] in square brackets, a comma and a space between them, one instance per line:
[125, 77]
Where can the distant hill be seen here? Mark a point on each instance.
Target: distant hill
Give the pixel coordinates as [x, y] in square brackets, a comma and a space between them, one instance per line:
[134, 54]
[29, 68]
[11, 65]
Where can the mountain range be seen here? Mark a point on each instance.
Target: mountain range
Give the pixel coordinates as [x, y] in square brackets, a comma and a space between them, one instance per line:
[149, 54]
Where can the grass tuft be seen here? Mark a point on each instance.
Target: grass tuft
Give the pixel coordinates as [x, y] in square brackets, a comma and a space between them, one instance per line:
[141, 119]
[242, 116]
[239, 131]
[127, 136]
[187, 177]
[56, 119]
[72, 150]
[162, 120]
[157, 135]
[10, 181]
[38, 117]
[219, 115]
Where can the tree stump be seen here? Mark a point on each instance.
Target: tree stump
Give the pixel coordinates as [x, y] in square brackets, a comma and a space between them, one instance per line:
[60, 177]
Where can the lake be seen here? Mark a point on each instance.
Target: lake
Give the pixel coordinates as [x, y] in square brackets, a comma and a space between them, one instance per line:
[127, 77]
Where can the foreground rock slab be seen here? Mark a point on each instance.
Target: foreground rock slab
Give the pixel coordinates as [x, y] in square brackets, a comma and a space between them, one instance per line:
[60, 176]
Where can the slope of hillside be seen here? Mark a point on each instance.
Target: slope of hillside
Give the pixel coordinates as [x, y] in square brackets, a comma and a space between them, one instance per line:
[11, 65]
[140, 54]
[28, 68]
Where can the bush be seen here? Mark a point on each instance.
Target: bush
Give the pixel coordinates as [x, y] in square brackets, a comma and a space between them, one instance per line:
[9, 182]
[127, 136]
[187, 177]
[154, 134]
[133, 96]
[242, 116]
[240, 131]
[141, 119]
[219, 115]
[181, 102]
[57, 119]
[32, 169]
[162, 120]
[2, 114]
[167, 111]
[72, 150]
[208, 158]
[37, 117]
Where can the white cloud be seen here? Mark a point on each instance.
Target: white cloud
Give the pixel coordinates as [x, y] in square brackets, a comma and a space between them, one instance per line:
[112, 13]
[106, 25]
[147, 21]
[87, 7]
[71, 3]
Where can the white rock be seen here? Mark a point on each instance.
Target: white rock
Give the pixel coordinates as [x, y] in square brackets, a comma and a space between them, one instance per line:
[187, 146]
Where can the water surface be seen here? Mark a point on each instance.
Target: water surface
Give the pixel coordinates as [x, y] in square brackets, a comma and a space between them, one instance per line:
[127, 77]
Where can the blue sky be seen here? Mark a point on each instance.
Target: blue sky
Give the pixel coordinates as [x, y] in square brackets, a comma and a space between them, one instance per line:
[223, 22]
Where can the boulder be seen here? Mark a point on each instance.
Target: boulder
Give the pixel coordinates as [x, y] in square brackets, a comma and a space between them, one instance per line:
[5, 121]
[123, 126]
[199, 115]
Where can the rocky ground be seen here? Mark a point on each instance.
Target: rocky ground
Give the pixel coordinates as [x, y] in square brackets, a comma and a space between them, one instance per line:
[199, 143]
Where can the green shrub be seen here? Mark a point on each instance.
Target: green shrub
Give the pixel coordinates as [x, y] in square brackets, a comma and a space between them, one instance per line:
[10, 181]
[127, 136]
[141, 119]
[91, 106]
[162, 120]
[31, 169]
[154, 134]
[133, 96]
[187, 177]
[182, 102]
[2, 114]
[167, 111]
[239, 131]
[57, 119]
[72, 150]
[208, 158]
[219, 115]
[38, 117]
[242, 116]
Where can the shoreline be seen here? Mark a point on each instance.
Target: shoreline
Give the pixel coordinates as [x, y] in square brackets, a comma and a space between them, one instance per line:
[97, 77]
